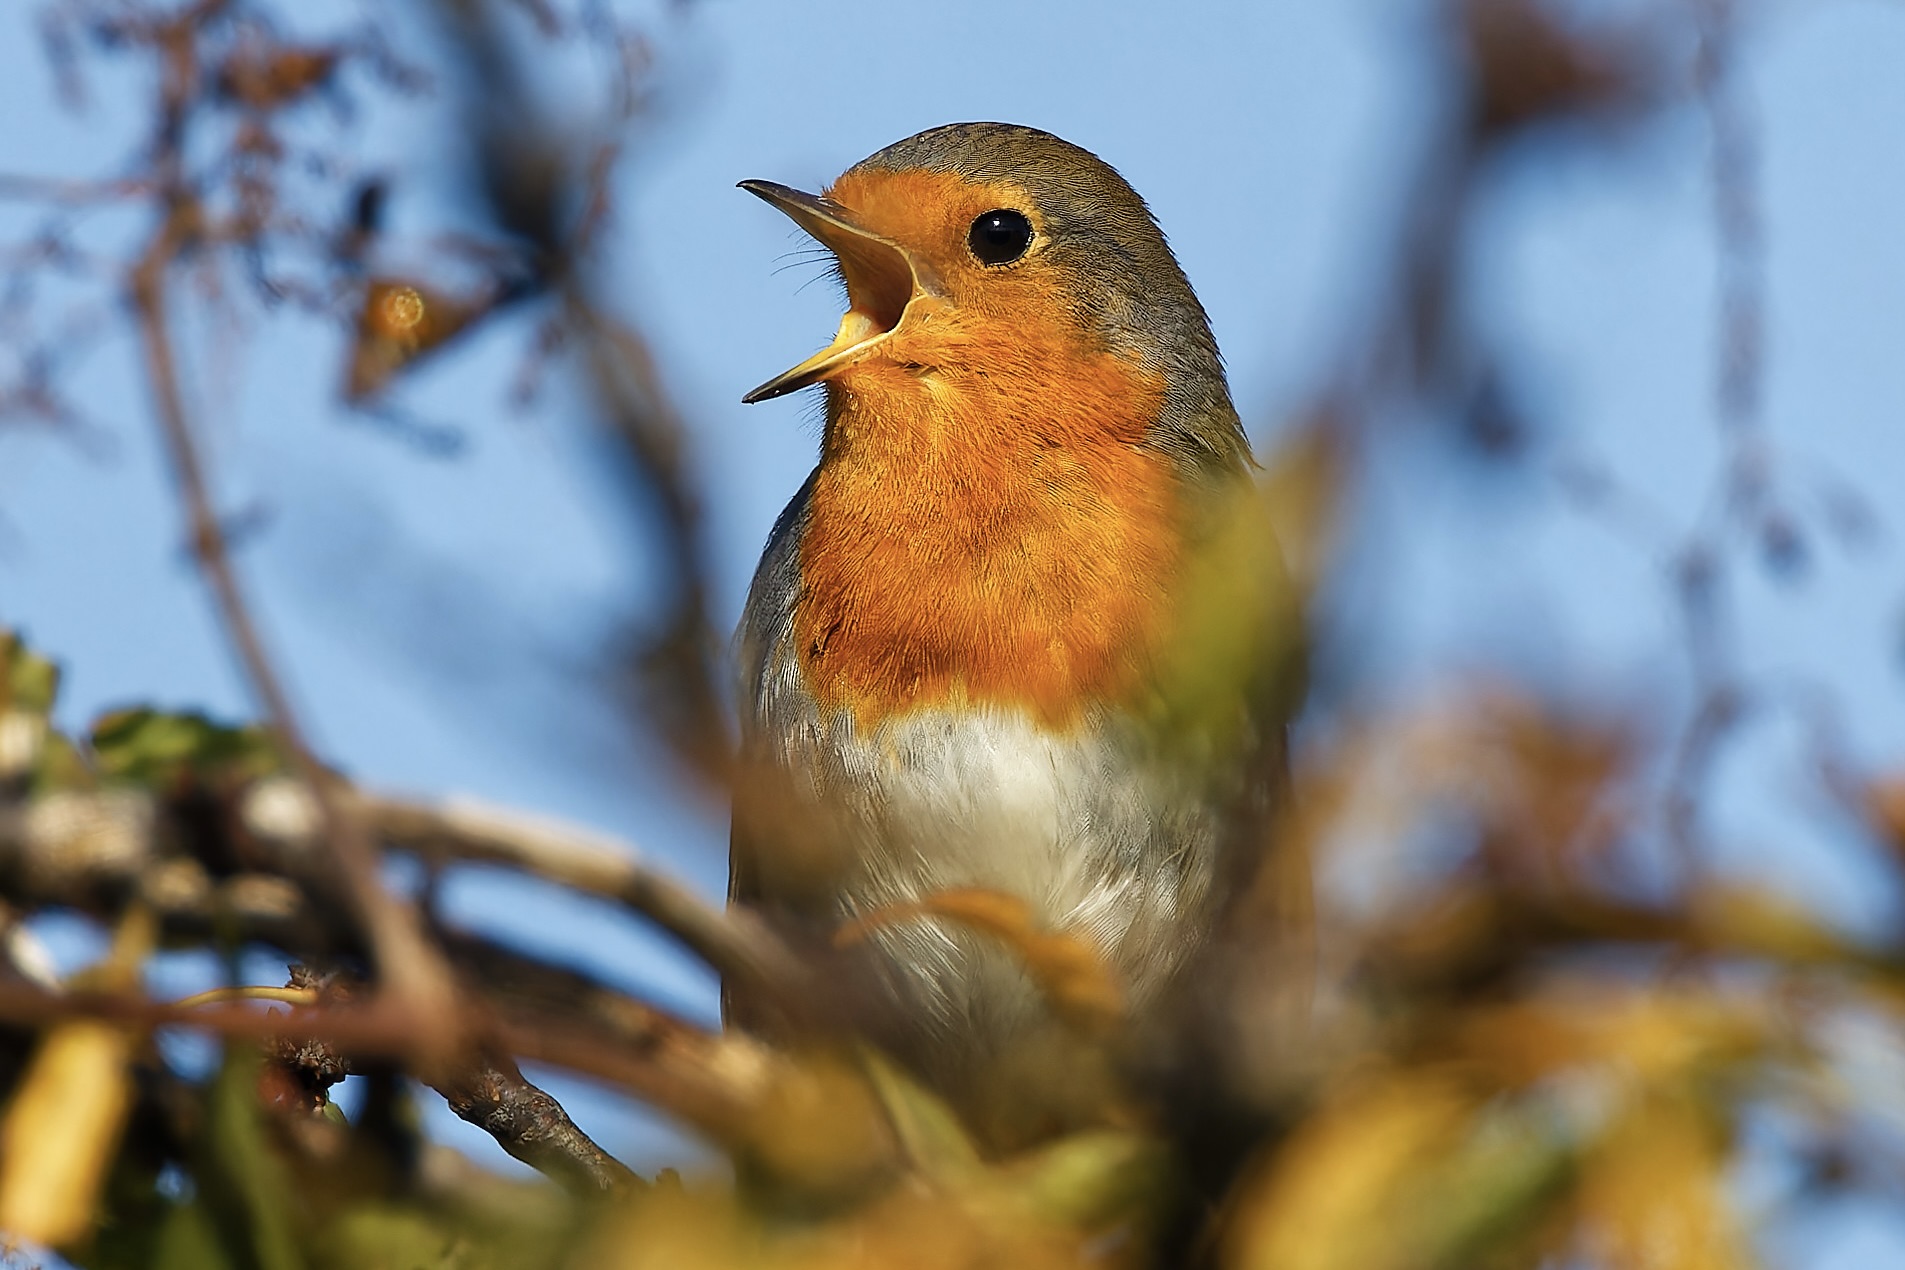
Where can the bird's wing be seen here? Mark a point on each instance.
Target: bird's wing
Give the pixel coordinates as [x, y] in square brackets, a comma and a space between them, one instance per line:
[766, 623]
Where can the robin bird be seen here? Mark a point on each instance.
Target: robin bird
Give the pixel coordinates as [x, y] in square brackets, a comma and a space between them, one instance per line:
[1000, 641]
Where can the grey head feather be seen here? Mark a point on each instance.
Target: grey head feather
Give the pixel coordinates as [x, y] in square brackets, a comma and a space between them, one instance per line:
[1131, 290]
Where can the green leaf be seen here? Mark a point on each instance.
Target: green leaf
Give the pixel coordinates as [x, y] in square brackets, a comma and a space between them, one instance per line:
[152, 747]
[1501, 1179]
[927, 1127]
[28, 682]
[240, 1177]
[31, 752]
[60, 766]
[1092, 1178]
[189, 1241]
[385, 1237]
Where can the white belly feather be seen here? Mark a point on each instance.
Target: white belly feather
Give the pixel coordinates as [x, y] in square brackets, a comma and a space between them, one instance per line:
[1098, 838]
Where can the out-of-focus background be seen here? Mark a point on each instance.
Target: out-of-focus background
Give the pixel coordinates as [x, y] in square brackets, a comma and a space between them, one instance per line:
[1699, 290]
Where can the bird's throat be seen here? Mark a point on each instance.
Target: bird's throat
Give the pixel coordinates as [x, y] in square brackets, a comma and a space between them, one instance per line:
[987, 538]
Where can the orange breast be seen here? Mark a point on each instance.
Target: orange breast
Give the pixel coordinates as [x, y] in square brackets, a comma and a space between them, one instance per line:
[986, 527]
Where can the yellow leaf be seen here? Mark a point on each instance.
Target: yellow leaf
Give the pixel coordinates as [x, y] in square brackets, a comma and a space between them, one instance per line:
[1333, 1197]
[1652, 1196]
[1647, 1038]
[1302, 489]
[61, 1132]
[679, 1229]
[818, 1127]
[1757, 920]
[1237, 639]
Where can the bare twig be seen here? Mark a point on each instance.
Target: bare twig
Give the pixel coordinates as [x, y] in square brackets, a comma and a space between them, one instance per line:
[1737, 224]
[486, 1089]
[551, 1014]
[492, 1094]
[1703, 565]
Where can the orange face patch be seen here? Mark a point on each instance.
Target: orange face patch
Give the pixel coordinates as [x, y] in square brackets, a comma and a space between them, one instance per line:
[986, 526]
[929, 215]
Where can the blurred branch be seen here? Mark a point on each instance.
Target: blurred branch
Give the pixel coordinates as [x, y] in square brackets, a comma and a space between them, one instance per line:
[1738, 229]
[1703, 564]
[87, 848]
[731, 941]
[411, 971]
[675, 661]
[708, 1080]
[89, 851]
[1471, 938]
[550, 191]
[39, 189]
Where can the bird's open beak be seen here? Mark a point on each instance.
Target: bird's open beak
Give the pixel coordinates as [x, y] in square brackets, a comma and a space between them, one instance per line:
[882, 279]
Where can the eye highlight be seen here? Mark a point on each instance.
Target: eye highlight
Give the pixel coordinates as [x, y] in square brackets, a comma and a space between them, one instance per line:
[999, 237]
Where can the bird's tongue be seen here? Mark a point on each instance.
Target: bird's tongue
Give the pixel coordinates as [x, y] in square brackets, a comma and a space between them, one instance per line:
[856, 327]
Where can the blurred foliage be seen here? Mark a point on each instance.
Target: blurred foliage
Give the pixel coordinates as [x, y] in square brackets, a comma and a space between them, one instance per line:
[1546, 1032]
[160, 750]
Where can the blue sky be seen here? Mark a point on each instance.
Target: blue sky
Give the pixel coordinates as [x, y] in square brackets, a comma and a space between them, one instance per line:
[425, 608]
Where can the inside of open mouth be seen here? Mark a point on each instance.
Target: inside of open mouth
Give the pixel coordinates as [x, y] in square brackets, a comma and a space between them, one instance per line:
[879, 284]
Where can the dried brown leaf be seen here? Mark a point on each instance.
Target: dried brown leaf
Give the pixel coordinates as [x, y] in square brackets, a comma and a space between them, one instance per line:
[400, 322]
[1885, 809]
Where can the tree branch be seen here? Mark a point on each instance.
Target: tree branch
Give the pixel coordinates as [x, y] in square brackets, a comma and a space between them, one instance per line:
[732, 942]
[73, 846]
[492, 1094]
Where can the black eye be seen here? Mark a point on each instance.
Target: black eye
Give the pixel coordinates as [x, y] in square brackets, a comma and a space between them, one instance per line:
[1000, 237]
